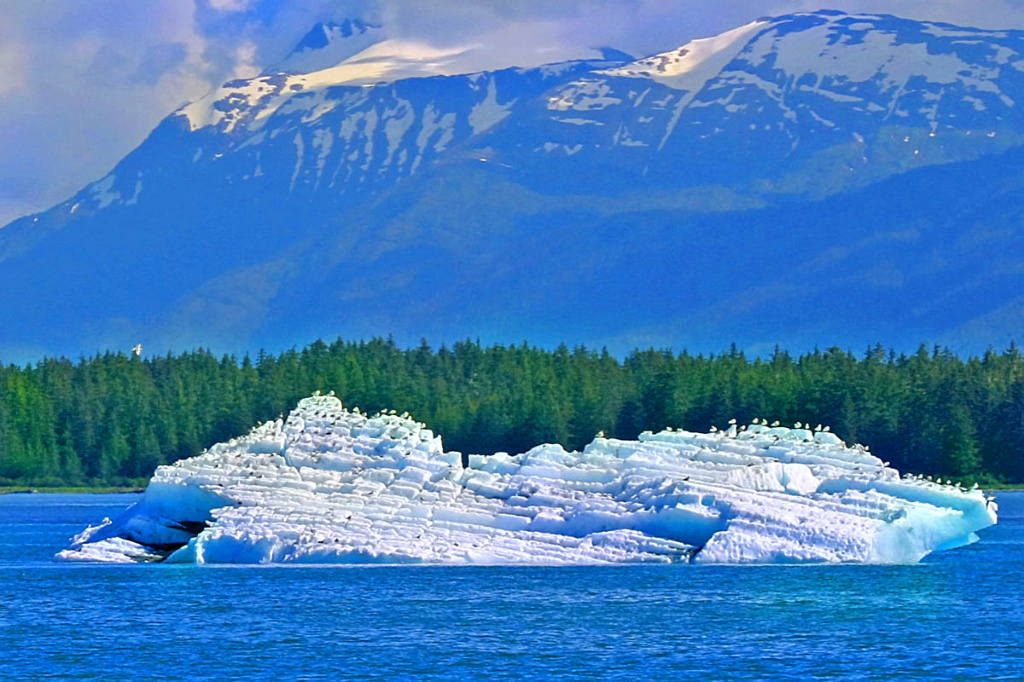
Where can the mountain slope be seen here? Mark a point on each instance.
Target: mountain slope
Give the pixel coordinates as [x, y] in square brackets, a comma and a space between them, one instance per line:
[896, 264]
[770, 185]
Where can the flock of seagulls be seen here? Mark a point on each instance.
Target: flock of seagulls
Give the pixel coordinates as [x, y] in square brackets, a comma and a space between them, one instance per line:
[960, 487]
[732, 432]
[733, 428]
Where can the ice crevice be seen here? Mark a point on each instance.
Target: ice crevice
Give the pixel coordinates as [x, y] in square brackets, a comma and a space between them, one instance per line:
[332, 485]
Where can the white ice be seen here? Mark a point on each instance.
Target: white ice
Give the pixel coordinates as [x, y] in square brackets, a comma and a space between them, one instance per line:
[694, 64]
[329, 485]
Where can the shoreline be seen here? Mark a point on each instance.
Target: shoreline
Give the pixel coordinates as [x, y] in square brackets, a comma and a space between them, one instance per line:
[69, 489]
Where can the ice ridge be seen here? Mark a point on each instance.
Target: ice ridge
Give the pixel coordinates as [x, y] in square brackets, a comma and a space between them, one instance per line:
[330, 485]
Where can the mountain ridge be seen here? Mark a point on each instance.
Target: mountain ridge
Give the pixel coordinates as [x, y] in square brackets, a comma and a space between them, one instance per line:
[781, 113]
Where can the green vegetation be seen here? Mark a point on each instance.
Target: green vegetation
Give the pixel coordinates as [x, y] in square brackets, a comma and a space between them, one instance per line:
[111, 419]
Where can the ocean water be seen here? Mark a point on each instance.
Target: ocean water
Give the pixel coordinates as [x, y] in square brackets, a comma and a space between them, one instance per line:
[958, 615]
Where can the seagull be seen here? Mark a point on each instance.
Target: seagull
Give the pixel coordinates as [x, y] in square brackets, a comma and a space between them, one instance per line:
[137, 350]
[776, 423]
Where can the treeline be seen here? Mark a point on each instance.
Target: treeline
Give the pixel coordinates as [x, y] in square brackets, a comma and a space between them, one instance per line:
[111, 419]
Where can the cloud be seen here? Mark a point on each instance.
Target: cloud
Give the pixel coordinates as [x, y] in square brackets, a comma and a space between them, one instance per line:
[12, 69]
[230, 5]
[11, 209]
[159, 60]
[81, 84]
[92, 80]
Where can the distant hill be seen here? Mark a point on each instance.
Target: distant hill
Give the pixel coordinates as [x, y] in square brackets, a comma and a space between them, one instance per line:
[811, 179]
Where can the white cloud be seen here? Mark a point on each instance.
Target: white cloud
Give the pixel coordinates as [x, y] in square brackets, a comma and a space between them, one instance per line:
[230, 5]
[12, 68]
[246, 65]
[11, 209]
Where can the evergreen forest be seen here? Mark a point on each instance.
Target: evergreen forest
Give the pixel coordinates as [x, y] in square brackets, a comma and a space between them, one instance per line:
[112, 418]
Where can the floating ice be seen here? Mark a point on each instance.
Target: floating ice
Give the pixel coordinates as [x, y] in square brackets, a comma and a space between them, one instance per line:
[329, 485]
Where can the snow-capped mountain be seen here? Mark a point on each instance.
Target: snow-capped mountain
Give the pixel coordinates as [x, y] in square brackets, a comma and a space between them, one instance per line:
[382, 193]
[329, 44]
[355, 52]
[789, 88]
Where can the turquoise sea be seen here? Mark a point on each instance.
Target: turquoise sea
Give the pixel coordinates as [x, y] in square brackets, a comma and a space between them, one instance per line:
[958, 615]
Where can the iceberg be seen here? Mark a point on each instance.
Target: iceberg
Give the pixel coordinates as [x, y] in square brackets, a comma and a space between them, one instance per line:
[332, 485]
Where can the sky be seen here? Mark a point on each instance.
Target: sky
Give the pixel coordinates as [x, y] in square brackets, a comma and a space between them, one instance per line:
[82, 82]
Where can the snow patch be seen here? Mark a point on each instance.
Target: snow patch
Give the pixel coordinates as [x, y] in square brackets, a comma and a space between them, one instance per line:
[826, 51]
[135, 195]
[584, 95]
[577, 121]
[104, 193]
[300, 150]
[431, 123]
[691, 66]
[327, 45]
[398, 121]
[323, 140]
[488, 113]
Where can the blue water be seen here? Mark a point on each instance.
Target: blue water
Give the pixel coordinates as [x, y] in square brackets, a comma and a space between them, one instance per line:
[958, 615]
